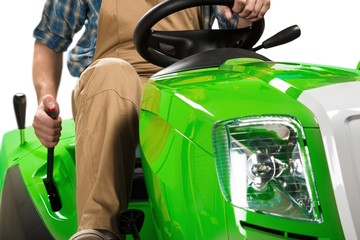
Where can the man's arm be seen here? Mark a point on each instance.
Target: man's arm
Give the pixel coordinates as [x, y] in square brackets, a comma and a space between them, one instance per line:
[47, 68]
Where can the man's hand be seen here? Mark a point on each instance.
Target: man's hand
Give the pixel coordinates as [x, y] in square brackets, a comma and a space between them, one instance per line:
[250, 10]
[47, 129]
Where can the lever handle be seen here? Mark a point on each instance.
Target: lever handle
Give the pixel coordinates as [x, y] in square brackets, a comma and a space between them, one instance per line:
[49, 182]
[19, 102]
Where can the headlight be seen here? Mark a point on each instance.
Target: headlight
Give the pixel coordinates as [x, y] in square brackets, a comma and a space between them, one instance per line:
[263, 166]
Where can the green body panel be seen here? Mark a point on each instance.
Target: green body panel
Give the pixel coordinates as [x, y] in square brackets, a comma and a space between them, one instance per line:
[176, 121]
[187, 200]
[300, 76]
[31, 159]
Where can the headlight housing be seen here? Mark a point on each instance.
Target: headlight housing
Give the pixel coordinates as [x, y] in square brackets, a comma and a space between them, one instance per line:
[263, 165]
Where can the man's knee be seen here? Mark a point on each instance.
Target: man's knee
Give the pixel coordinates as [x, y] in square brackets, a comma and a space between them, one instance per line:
[109, 73]
[113, 64]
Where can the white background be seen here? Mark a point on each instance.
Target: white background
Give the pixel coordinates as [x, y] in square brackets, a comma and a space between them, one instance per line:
[330, 36]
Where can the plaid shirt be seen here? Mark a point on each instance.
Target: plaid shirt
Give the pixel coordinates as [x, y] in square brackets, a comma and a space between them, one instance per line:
[62, 19]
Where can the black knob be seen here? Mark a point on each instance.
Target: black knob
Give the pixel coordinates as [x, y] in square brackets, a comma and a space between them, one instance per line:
[19, 101]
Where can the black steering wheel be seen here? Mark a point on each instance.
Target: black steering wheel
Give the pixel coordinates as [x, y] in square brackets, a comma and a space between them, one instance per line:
[164, 48]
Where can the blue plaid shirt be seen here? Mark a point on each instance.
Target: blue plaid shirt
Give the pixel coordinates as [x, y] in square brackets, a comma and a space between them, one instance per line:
[62, 19]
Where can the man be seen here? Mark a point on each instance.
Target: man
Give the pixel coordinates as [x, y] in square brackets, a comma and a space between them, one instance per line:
[106, 99]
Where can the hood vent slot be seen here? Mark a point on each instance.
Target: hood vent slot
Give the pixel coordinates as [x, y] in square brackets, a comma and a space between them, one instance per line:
[249, 226]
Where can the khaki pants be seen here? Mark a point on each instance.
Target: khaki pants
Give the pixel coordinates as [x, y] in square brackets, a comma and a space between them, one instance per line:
[106, 104]
[109, 92]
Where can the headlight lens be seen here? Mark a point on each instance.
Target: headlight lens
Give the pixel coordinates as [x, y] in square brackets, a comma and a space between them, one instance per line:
[263, 165]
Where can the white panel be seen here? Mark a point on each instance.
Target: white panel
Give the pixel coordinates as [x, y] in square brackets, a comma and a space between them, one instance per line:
[337, 109]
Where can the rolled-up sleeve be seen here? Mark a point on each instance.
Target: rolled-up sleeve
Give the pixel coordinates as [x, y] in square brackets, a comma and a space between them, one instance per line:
[60, 21]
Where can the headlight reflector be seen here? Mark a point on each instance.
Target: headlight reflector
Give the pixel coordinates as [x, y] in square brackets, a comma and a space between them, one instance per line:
[263, 166]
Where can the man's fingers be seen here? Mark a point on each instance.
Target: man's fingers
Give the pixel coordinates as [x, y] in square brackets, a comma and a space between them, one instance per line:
[251, 10]
[239, 5]
[244, 8]
[49, 137]
[47, 130]
[264, 8]
[51, 106]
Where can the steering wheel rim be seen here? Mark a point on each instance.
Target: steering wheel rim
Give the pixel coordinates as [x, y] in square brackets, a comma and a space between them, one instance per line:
[164, 48]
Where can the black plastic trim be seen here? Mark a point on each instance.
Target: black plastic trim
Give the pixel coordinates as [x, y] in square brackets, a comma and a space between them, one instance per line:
[266, 230]
[208, 59]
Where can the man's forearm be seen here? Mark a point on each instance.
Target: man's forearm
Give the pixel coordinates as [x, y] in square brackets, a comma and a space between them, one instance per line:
[47, 68]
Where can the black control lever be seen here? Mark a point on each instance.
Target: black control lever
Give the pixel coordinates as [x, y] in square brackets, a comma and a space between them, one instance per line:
[285, 36]
[49, 182]
[131, 222]
[19, 102]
